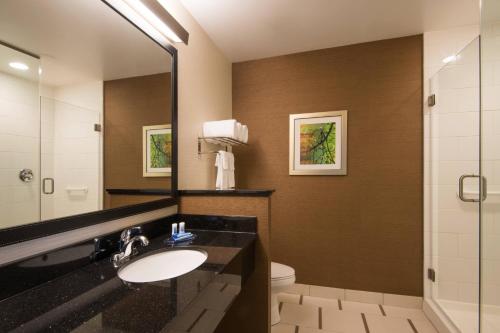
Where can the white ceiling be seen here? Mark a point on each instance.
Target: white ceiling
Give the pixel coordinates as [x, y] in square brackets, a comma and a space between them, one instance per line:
[78, 41]
[252, 29]
[8, 55]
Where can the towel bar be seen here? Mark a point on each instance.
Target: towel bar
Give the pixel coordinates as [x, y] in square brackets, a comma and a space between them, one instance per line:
[221, 141]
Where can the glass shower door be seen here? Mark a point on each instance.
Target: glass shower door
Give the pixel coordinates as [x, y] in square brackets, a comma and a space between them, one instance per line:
[490, 166]
[454, 188]
[70, 159]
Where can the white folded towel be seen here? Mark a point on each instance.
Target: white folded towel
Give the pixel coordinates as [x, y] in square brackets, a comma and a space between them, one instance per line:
[221, 128]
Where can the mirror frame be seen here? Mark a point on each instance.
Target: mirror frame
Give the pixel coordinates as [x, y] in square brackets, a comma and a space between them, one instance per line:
[44, 228]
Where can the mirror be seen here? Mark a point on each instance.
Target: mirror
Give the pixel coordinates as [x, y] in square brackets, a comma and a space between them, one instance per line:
[86, 116]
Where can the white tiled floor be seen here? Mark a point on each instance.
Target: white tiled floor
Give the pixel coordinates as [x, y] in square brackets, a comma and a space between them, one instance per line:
[307, 314]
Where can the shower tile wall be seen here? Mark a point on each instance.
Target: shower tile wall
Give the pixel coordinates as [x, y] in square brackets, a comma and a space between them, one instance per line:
[19, 149]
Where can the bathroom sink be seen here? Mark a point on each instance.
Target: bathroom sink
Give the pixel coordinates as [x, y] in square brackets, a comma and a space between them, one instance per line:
[162, 265]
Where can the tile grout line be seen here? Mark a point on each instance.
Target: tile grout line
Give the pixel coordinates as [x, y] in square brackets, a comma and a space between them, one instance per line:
[320, 319]
[224, 287]
[340, 304]
[296, 329]
[412, 326]
[280, 307]
[382, 309]
[365, 323]
[301, 299]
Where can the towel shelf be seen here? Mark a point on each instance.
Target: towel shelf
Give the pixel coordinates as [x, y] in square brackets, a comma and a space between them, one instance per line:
[218, 140]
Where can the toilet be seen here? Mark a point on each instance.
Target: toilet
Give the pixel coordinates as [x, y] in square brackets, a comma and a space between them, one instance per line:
[282, 278]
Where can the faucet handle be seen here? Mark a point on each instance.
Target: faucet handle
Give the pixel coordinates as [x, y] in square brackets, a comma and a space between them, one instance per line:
[127, 234]
[131, 232]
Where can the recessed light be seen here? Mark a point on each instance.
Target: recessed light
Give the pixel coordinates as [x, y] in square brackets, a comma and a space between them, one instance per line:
[450, 58]
[19, 65]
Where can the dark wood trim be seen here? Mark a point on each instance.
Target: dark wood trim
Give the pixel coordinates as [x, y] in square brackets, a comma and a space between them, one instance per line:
[175, 126]
[131, 191]
[31, 54]
[227, 193]
[49, 227]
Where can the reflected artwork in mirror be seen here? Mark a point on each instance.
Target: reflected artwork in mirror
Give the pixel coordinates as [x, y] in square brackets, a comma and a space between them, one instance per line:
[78, 87]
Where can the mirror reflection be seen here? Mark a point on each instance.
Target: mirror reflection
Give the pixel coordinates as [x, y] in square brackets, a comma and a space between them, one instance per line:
[85, 111]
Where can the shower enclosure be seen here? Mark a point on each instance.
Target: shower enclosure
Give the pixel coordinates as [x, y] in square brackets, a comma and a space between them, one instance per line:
[462, 194]
[50, 154]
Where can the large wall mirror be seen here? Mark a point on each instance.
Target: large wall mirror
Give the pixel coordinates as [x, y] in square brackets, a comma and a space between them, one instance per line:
[87, 112]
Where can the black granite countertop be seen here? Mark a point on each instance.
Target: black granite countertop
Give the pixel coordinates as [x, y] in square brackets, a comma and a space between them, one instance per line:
[137, 191]
[93, 299]
[236, 192]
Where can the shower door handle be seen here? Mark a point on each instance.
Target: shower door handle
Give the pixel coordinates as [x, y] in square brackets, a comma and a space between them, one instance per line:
[44, 187]
[484, 190]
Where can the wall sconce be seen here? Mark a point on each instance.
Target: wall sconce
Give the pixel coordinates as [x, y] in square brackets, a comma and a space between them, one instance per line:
[152, 18]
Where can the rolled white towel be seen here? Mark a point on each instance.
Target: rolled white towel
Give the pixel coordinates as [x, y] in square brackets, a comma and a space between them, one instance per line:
[244, 135]
[239, 131]
[221, 128]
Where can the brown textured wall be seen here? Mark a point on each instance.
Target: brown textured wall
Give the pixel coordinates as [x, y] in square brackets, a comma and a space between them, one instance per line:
[129, 104]
[252, 307]
[360, 231]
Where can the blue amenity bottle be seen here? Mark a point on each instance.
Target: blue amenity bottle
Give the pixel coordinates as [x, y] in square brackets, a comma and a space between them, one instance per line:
[180, 235]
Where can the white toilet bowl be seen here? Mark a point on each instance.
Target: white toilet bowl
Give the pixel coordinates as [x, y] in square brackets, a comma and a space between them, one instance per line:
[282, 278]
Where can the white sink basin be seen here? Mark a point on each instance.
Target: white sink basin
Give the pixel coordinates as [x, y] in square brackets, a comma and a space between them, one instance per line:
[162, 265]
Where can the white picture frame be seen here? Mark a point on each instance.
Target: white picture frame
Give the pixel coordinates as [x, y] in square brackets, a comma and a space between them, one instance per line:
[318, 143]
[151, 153]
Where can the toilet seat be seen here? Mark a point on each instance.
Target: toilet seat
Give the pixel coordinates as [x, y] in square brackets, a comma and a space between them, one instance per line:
[281, 272]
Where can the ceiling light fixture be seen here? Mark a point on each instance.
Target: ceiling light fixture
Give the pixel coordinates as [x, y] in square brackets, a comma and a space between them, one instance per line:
[152, 18]
[19, 66]
[450, 58]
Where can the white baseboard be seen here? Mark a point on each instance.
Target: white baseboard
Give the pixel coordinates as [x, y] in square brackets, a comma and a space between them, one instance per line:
[406, 301]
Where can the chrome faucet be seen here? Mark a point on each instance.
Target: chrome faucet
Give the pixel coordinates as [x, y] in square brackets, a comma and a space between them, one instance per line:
[127, 248]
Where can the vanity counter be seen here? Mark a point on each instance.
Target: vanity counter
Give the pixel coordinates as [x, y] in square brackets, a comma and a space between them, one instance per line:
[93, 298]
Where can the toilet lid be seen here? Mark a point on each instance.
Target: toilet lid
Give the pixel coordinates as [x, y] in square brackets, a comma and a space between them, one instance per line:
[280, 271]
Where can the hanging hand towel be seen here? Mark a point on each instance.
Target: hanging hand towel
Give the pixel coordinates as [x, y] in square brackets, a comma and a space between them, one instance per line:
[230, 170]
[225, 170]
[220, 170]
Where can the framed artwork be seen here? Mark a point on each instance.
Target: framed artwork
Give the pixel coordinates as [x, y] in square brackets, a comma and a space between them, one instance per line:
[318, 143]
[157, 150]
